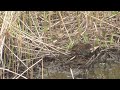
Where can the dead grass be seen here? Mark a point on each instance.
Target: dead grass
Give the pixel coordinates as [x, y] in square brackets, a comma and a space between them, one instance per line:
[26, 37]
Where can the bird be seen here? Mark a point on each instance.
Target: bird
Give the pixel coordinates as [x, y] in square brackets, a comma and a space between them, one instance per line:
[81, 49]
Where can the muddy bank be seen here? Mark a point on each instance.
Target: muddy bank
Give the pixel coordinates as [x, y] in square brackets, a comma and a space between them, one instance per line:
[82, 63]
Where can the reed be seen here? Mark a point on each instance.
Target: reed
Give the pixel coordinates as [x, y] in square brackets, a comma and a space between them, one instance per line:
[27, 36]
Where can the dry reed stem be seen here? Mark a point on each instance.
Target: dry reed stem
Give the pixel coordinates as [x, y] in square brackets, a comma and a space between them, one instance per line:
[28, 68]
[12, 72]
[65, 26]
[101, 21]
[16, 56]
[72, 73]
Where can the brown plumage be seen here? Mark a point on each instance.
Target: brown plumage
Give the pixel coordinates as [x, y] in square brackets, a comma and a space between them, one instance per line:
[81, 49]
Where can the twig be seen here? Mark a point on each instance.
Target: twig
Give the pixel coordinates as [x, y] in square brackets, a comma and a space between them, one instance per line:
[72, 73]
[12, 72]
[29, 68]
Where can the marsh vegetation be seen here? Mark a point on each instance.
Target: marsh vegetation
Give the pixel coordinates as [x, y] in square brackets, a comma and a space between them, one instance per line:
[59, 45]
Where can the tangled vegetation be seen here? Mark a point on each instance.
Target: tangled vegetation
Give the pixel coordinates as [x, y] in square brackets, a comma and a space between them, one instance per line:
[34, 44]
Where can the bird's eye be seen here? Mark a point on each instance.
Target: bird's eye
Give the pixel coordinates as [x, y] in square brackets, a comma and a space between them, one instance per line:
[37, 48]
